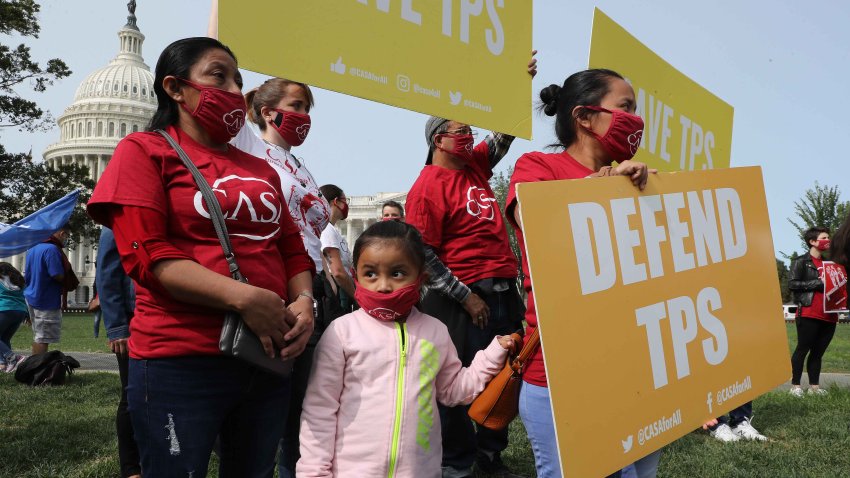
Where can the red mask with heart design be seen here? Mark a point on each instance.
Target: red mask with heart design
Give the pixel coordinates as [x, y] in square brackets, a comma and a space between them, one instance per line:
[463, 145]
[220, 113]
[293, 127]
[622, 139]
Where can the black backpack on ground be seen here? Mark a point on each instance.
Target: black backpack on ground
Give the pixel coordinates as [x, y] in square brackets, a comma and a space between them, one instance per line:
[49, 368]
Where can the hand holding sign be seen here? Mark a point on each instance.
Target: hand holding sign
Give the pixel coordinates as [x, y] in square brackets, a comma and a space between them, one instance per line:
[679, 280]
[834, 287]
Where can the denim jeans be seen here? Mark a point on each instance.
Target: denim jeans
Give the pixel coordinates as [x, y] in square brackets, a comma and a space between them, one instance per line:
[179, 406]
[97, 315]
[10, 320]
[128, 451]
[646, 467]
[535, 409]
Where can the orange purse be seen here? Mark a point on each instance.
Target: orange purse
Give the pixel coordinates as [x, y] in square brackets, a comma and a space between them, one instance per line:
[498, 404]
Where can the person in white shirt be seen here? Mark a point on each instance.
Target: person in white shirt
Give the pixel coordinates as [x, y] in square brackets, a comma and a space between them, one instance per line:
[339, 266]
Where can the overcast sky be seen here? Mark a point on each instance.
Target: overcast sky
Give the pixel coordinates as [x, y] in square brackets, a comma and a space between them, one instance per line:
[783, 65]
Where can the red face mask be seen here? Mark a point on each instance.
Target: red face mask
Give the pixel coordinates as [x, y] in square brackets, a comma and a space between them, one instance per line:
[343, 208]
[390, 306]
[220, 113]
[293, 127]
[462, 145]
[622, 139]
[823, 244]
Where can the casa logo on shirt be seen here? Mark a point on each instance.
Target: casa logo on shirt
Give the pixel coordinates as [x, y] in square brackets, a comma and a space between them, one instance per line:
[480, 204]
[251, 206]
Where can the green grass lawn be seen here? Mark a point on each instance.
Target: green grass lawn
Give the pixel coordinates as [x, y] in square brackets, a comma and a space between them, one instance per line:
[70, 432]
[77, 336]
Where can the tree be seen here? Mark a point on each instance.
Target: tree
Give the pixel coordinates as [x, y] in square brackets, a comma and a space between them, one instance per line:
[820, 206]
[17, 67]
[499, 183]
[28, 186]
[784, 275]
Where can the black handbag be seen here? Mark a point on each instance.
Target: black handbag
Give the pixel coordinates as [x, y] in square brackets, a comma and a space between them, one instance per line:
[236, 339]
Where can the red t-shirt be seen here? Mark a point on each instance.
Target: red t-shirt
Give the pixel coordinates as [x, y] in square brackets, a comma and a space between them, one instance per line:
[815, 311]
[533, 167]
[146, 172]
[457, 214]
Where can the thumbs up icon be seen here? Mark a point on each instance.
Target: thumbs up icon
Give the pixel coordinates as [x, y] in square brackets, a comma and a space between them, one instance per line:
[338, 66]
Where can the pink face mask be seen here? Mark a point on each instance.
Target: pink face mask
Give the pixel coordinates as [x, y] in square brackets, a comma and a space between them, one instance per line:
[220, 113]
[390, 306]
[823, 244]
[622, 139]
[463, 145]
[293, 127]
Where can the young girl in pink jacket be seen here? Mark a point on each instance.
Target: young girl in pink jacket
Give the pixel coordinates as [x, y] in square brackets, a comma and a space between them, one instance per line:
[378, 373]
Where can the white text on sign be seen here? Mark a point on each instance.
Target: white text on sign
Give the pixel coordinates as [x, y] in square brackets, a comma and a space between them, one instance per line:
[715, 232]
[469, 9]
[696, 145]
[597, 266]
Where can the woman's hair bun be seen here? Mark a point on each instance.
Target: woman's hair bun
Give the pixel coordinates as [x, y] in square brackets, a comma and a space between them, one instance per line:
[549, 97]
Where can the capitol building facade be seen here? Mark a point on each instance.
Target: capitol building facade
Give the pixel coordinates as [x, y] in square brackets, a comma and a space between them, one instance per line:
[117, 100]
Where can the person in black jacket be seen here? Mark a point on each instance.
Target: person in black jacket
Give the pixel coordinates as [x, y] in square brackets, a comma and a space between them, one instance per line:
[815, 327]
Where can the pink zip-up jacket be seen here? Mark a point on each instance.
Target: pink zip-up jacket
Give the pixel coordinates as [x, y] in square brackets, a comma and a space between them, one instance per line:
[371, 403]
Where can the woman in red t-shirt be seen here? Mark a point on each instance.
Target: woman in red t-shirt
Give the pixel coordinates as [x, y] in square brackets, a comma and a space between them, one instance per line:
[815, 327]
[595, 125]
[182, 392]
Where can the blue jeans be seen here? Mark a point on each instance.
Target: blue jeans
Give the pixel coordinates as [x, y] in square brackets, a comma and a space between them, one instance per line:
[178, 406]
[535, 409]
[10, 320]
[97, 315]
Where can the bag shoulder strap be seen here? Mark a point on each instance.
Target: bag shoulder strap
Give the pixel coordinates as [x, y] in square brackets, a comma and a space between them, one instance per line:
[212, 205]
[527, 349]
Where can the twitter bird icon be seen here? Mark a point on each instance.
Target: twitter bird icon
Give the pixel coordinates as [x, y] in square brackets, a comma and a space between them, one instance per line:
[627, 444]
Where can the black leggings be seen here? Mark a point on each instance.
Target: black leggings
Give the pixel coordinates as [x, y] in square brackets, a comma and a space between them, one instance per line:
[813, 337]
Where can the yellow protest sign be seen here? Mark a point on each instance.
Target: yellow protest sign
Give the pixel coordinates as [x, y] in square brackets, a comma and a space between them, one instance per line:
[686, 126]
[658, 310]
[464, 60]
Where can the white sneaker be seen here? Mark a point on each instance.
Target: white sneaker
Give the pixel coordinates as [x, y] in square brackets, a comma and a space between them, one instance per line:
[817, 391]
[797, 392]
[724, 433]
[12, 365]
[748, 432]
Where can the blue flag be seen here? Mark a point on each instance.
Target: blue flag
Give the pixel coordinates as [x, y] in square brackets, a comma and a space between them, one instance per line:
[37, 227]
